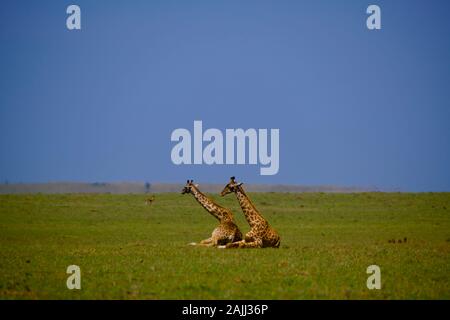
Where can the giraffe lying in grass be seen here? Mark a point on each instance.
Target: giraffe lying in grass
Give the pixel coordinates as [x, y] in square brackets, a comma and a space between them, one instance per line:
[261, 235]
[227, 231]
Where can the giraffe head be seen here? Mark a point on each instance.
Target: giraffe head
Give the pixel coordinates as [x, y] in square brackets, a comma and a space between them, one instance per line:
[188, 187]
[231, 186]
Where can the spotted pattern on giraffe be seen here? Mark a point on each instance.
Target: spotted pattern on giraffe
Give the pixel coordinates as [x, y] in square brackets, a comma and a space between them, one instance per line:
[261, 234]
[227, 231]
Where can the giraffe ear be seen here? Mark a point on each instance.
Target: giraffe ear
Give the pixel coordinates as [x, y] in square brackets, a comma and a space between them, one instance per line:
[196, 185]
[240, 184]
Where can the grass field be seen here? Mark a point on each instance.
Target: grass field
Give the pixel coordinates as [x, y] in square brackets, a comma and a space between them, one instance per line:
[129, 250]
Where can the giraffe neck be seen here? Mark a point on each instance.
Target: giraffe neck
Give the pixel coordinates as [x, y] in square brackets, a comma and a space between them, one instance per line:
[215, 210]
[252, 215]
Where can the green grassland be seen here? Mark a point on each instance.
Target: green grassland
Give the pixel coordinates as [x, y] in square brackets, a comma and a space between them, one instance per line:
[129, 250]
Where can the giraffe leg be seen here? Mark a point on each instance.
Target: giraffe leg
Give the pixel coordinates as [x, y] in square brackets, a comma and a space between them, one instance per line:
[229, 245]
[254, 244]
[214, 241]
[236, 244]
[202, 243]
[243, 244]
[206, 241]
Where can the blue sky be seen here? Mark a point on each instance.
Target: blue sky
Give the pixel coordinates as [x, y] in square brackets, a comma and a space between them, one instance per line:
[354, 107]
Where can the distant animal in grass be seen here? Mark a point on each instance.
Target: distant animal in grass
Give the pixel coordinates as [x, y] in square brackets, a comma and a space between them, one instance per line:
[150, 200]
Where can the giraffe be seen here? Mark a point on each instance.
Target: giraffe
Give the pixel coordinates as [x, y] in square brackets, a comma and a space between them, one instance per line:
[227, 231]
[261, 235]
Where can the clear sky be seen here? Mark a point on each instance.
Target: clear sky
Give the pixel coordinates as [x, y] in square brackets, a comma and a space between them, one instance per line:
[354, 107]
